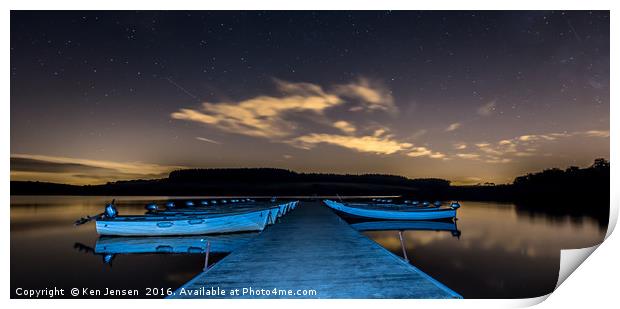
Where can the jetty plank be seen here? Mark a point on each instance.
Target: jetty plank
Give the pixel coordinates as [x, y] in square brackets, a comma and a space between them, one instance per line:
[312, 248]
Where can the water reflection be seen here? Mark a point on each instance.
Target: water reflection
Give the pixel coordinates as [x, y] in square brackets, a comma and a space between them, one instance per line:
[43, 254]
[108, 247]
[401, 226]
[502, 253]
[449, 226]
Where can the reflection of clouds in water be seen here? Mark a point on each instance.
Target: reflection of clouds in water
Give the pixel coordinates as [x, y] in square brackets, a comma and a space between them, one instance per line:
[388, 240]
[54, 215]
[35, 231]
[43, 248]
[391, 240]
[488, 227]
[425, 238]
[504, 228]
[501, 253]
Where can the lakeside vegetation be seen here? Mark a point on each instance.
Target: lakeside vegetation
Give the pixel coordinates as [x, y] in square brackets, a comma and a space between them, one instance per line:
[244, 181]
[575, 191]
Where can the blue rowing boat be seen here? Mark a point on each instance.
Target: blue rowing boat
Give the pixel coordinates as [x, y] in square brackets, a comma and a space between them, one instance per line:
[375, 211]
[184, 224]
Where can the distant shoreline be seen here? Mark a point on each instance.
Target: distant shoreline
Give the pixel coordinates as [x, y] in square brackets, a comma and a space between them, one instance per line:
[575, 191]
[573, 184]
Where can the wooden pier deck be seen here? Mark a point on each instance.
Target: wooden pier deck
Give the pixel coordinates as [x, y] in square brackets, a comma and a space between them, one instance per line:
[313, 249]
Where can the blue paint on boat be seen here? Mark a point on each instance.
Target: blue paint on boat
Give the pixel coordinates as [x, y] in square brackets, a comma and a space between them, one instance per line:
[373, 211]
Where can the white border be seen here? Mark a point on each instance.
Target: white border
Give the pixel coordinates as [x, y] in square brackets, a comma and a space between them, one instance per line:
[592, 284]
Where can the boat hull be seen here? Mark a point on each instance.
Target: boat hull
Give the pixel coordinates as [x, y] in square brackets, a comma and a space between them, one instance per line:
[386, 214]
[216, 210]
[273, 215]
[185, 225]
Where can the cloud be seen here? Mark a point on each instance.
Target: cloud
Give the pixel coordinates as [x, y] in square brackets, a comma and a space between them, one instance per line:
[204, 139]
[26, 164]
[596, 133]
[371, 144]
[425, 152]
[263, 116]
[468, 155]
[467, 181]
[555, 136]
[498, 160]
[486, 109]
[453, 126]
[525, 138]
[372, 95]
[491, 151]
[356, 108]
[494, 152]
[500, 152]
[379, 132]
[547, 137]
[271, 116]
[345, 126]
[460, 146]
[506, 150]
[82, 171]
[418, 134]
[498, 149]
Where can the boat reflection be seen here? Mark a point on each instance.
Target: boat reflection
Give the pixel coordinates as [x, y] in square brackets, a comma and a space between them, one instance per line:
[109, 247]
[401, 226]
[187, 244]
[449, 226]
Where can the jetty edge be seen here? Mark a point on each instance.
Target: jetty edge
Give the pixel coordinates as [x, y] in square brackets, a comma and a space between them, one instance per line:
[313, 249]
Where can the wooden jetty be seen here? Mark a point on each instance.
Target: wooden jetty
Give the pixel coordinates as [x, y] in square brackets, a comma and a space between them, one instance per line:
[313, 249]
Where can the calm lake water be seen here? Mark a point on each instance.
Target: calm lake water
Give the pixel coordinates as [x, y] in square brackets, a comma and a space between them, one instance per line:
[501, 252]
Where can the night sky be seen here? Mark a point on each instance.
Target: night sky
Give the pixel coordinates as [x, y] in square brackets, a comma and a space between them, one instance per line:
[467, 96]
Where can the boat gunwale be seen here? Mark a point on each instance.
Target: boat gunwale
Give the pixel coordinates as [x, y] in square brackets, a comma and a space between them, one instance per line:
[196, 212]
[177, 217]
[391, 214]
[412, 210]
